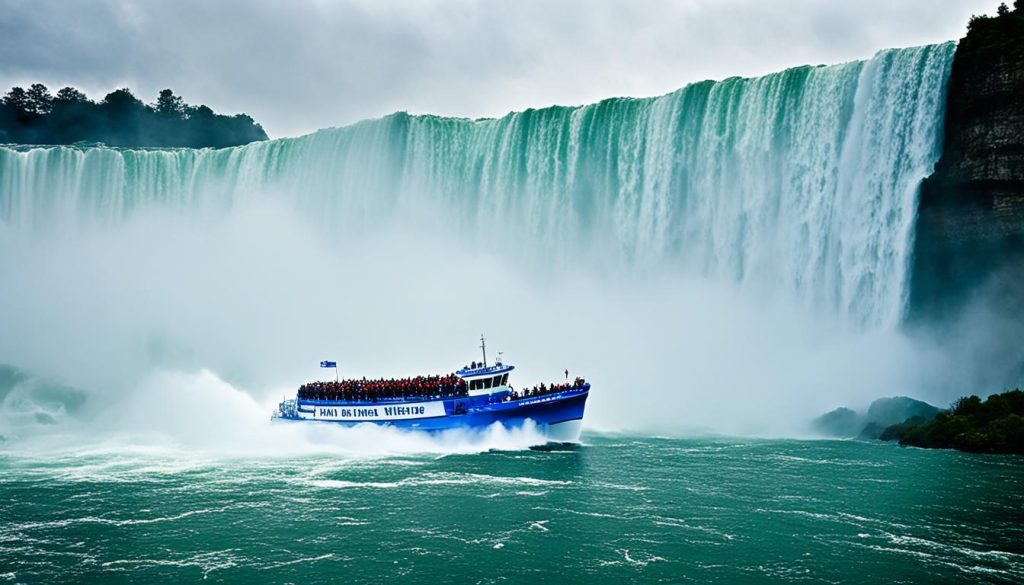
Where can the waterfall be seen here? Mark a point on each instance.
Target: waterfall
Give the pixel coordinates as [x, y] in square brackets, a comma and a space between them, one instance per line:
[803, 182]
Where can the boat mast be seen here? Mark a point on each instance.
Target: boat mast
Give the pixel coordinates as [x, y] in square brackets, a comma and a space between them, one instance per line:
[483, 347]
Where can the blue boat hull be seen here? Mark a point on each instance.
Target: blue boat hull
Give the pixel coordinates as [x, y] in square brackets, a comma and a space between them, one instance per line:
[558, 415]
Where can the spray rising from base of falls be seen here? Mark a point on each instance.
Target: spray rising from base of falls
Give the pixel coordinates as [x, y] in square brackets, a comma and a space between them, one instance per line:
[740, 242]
[257, 299]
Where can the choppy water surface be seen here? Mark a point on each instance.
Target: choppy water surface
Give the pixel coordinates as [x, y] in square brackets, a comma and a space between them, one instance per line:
[617, 509]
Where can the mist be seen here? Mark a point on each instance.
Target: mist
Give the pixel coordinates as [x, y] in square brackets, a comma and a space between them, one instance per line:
[192, 329]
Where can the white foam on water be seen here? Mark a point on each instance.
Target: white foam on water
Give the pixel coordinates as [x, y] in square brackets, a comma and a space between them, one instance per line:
[442, 478]
[198, 414]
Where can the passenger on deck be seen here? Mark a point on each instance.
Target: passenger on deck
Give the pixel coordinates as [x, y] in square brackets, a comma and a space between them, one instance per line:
[387, 389]
[542, 389]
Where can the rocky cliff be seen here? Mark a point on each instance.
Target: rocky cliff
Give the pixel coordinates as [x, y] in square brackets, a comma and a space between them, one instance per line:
[970, 230]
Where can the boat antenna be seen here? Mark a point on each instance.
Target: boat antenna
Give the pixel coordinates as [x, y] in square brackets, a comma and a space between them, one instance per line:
[483, 347]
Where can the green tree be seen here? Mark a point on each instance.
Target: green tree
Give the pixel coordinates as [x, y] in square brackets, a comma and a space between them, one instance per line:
[200, 112]
[976, 20]
[125, 119]
[122, 99]
[17, 99]
[69, 95]
[39, 99]
[966, 406]
[170, 105]
[1003, 9]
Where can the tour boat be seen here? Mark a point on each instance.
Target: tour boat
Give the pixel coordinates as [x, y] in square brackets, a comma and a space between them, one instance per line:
[477, 396]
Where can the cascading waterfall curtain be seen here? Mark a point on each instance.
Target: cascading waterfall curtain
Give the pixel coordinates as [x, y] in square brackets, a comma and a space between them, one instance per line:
[803, 181]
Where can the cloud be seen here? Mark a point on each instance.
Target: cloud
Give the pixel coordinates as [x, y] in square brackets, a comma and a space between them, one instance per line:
[299, 66]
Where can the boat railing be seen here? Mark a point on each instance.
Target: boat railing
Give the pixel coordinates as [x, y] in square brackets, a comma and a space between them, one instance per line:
[470, 371]
[521, 395]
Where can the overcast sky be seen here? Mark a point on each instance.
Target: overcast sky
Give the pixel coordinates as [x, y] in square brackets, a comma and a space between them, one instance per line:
[297, 66]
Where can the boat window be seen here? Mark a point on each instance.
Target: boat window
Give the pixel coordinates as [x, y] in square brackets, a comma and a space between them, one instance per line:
[487, 383]
[474, 385]
[497, 380]
[504, 379]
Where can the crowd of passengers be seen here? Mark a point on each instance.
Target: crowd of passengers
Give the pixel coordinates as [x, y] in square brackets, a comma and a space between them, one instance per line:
[419, 387]
[542, 389]
[373, 390]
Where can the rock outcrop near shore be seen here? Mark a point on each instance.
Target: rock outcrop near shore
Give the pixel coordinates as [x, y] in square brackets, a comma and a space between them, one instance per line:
[846, 423]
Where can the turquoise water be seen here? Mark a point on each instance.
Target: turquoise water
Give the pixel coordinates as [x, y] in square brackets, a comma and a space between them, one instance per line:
[618, 509]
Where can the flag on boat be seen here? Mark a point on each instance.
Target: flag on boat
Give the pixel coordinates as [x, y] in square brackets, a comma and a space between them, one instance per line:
[326, 364]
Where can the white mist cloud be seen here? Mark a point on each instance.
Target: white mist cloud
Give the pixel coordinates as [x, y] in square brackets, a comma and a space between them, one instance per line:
[191, 326]
[300, 66]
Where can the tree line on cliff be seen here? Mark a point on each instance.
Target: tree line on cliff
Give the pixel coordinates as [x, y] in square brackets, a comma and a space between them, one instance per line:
[1001, 11]
[993, 425]
[35, 116]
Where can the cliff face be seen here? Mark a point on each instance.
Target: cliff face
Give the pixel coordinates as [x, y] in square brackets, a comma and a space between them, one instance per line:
[970, 230]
